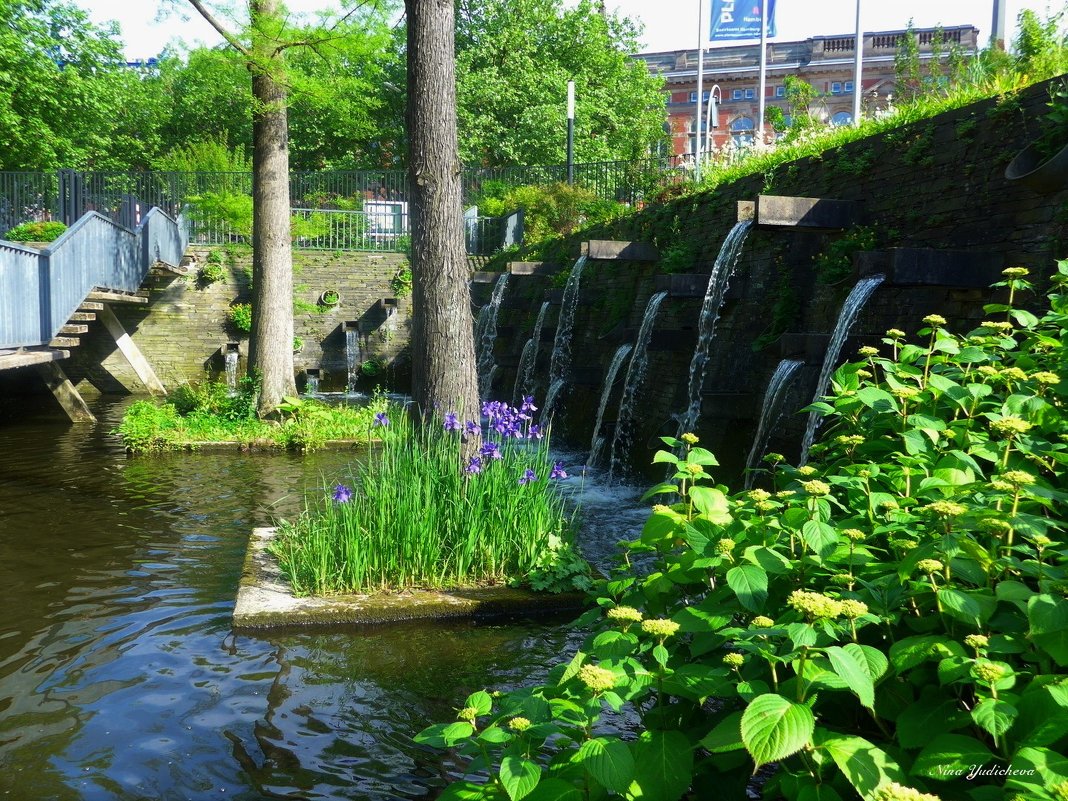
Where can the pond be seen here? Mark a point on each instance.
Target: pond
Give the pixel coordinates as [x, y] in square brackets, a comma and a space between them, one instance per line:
[120, 677]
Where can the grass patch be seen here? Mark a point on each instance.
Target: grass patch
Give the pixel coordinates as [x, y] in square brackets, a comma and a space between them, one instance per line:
[420, 514]
[201, 413]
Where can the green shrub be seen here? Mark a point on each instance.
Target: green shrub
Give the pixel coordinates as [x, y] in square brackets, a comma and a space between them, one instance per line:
[886, 623]
[554, 210]
[239, 315]
[401, 282]
[47, 231]
[210, 273]
[416, 514]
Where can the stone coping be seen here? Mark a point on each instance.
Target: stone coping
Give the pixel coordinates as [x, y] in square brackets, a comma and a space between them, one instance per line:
[265, 600]
[269, 446]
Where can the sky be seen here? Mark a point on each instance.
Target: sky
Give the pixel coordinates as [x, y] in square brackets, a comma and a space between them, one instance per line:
[148, 25]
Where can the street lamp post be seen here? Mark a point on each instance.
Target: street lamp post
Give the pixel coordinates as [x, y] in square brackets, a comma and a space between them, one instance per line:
[571, 132]
[712, 115]
[700, 88]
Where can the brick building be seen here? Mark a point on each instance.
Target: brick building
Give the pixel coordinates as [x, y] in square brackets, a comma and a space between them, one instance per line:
[825, 62]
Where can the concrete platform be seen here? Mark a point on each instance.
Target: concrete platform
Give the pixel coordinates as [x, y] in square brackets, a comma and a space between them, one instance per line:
[613, 249]
[533, 267]
[811, 213]
[12, 358]
[265, 601]
[100, 296]
[932, 267]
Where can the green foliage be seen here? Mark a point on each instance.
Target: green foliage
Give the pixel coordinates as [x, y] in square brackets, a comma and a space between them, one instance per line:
[513, 61]
[48, 231]
[678, 257]
[199, 155]
[835, 262]
[211, 272]
[229, 209]
[239, 315]
[210, 412]
[412, 515]
[1055, 123]
[1041, 45]
[888, 622]
[554, 210]
[401, 282]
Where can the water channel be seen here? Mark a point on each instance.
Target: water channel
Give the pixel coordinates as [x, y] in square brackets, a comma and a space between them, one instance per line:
[120, 677]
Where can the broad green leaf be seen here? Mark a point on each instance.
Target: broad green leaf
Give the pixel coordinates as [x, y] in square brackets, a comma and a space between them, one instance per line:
[553, 789]
[726, 736]
[1048, 617]
[470, 791]
[911, 651]
[665, 457]
[573, 667]
[946, 754]
[771, 560]
[432, 735]
[698, 681]
[820, 537]
[481, 701]
[802, 634]
[701, 456]
[454, 732]
[925, 718]
[519, 776]
[664, 488]
[663, 766]
[878, 399]
[661, 526]
[495, 735]
[1043, 715]
[1038, 769]
[871, 659]
[914, 441]
[609, 761]
[853, 670]
[750, 584]
[994, 716]
[614, 644]
[773, 728]
[698, 619]
[711, 503]
[968, 606]
[865, 766]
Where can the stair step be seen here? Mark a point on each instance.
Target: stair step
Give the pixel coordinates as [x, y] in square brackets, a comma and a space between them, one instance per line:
[91, 306]
[74, 329]
[115, 297]
[83, 316]
[65, 342]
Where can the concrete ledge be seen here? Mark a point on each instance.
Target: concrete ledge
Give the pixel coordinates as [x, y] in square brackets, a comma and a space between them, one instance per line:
[932, 267]
[265, 601]
[820, 214]
[102, 296]
[613, 249]
[682, 285]
[12, 358]
[484, 277]
[746, 210]
[533, 268]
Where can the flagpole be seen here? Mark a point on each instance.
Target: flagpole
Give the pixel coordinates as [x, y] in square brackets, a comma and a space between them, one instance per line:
[700, 88]
[858, 57]
[763, 68]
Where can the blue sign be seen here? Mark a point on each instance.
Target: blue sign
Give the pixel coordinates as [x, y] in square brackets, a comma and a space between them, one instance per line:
[739, 19]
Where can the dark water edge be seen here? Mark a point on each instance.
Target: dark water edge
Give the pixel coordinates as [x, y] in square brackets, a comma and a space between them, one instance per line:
[120, 677]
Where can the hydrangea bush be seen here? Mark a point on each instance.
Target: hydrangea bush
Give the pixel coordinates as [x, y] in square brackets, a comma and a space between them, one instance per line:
[887, 623]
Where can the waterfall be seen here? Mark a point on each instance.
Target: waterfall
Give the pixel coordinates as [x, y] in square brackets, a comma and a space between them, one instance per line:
[770, 411]
[230, 364]
[311, 386]
[560, 363]
[854, 302]
[528, 360]
[632, 383]
[486, 336]
[353, 356]
[722, 271]
[597, 441]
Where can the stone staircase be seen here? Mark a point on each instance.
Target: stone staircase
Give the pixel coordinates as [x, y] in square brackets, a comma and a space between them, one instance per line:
[69, 335]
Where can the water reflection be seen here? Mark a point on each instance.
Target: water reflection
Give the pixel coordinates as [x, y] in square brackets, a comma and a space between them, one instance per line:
[120, 678]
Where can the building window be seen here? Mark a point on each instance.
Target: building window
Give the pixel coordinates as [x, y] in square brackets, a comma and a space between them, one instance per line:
[705, 95]
[742, 131]
[849, 87]
[692, 146]
[842, 118]
[737, 94]
[780, 91]
[749, 94]
[836, 88]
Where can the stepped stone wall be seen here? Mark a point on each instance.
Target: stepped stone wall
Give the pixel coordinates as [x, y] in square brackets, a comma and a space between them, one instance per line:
[934, 184]
[184, 325]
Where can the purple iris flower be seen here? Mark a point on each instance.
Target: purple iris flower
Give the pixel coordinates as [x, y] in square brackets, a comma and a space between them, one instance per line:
[381, 419]
[474, 466]
[489, 450]
[558, 471]
[528, 476]
[452, 422]
[535, 432]
[472, 429]
[528, 404]
[342, 494]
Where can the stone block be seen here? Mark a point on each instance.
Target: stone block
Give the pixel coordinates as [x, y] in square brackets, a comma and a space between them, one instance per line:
[615, 249]
[820, 214]
[933, 267]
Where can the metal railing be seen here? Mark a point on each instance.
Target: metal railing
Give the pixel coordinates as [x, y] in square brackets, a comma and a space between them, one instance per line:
[40, 290]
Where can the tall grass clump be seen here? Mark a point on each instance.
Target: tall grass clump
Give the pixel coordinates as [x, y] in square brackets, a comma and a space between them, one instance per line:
[418, 513]
[886, 623]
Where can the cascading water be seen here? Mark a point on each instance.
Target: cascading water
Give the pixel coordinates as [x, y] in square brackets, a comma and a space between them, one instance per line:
[486, 335]
[524, 375]
[770, 411]
[597, 441]
[854, 302]
[353, 356]
[230, 365]
[560, 363]
[632, 383]
[311, 386]
[722, 271]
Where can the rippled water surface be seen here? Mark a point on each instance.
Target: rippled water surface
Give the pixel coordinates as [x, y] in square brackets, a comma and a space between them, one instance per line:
[120, 677]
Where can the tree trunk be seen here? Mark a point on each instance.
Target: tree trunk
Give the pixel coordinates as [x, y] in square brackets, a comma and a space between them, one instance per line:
[443, 350]
[271, 342]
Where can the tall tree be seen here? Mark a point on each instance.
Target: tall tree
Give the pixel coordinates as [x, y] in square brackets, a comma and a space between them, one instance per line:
[443, 351]
[271, 341]
[514, 59]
